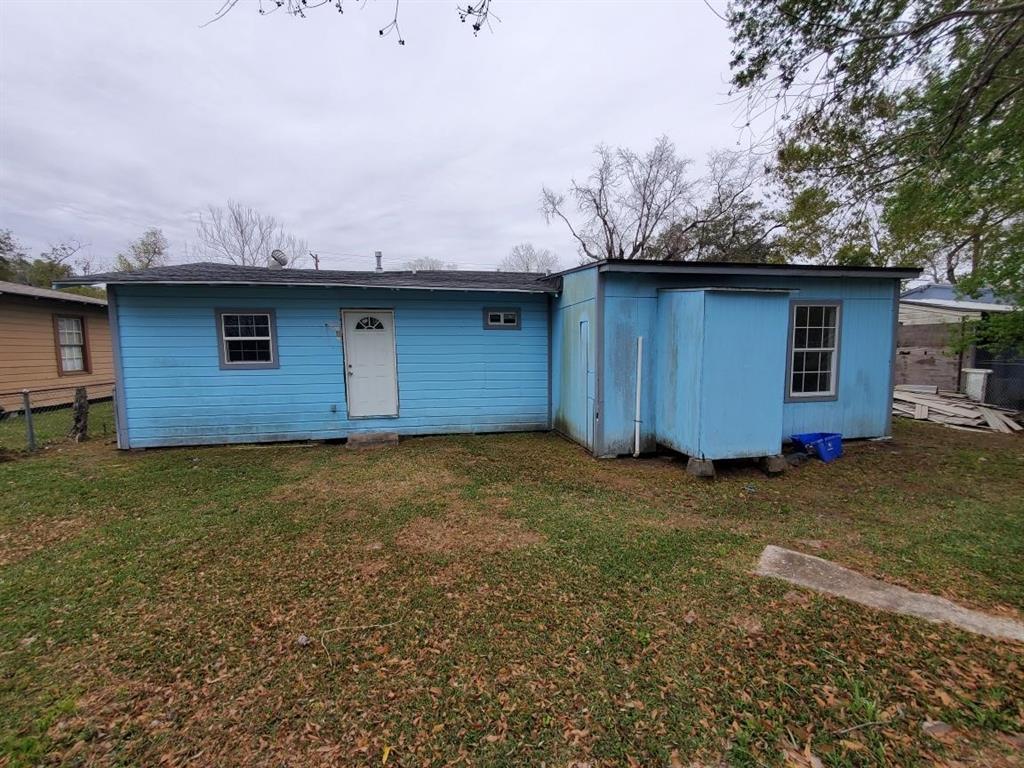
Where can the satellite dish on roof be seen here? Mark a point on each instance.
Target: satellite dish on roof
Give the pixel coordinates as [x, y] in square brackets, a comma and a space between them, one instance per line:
[278, 259]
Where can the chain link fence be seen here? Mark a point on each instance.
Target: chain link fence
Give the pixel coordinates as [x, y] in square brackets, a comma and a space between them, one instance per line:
[36, 418]
[1006, 382]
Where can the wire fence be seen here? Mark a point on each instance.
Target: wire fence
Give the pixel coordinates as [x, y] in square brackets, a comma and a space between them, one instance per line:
[34, 419]
[1006, 382]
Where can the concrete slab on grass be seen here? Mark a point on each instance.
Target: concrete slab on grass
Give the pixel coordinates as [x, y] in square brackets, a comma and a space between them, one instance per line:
[824, 576]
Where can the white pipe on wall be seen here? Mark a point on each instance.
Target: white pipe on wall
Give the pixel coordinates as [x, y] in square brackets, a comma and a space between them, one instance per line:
[639, 387]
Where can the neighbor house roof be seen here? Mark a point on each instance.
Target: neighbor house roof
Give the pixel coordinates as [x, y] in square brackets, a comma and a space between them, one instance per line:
[965, 306]
[231, 274]
[944, 296]
[946, 292]
[31, 291]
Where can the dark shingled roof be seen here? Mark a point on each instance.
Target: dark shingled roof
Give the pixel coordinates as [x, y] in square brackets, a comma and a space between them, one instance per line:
[210, 273]
[207, 273]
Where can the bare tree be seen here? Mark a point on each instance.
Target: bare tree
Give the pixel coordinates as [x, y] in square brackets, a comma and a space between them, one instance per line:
[64, 252]
[526, 257]
[726, 220]
[150, 250]
[626, 203]
[478, 13]
[429, 264]
[61, 260]
[242, 235]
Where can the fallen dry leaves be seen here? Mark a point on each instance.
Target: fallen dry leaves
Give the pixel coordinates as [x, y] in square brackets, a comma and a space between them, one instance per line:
[506, 600]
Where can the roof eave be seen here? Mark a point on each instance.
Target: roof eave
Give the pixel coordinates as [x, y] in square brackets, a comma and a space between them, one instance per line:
[87, 301]
[696, 268]
[321, 284]
[969, 308]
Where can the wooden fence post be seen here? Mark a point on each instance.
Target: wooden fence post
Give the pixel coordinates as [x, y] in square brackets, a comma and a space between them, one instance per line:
[80, 411]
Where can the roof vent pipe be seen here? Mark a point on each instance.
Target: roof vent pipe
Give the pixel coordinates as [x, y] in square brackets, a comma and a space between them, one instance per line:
[378, 255]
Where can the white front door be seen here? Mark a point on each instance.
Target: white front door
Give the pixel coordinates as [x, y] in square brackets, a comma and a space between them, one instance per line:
[371, 372]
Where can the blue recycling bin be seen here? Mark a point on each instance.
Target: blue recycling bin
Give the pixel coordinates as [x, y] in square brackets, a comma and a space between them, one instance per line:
[827, 445]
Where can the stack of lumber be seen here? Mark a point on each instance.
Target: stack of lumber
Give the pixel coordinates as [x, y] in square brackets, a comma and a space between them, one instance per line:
[952, 409]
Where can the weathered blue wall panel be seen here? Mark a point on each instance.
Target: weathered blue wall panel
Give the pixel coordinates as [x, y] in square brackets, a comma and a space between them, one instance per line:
[744, 368]
[678, 380]
[865, 354]
[865, 351]
[453, 375]
[573, 379]
[626, 319]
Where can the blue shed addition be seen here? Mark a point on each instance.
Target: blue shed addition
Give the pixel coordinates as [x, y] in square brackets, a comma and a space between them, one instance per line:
[734, 358]
[715, 361]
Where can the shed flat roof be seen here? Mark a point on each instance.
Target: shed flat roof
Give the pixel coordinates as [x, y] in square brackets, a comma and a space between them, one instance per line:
[207, 273]
[739, 268]
[33, 292]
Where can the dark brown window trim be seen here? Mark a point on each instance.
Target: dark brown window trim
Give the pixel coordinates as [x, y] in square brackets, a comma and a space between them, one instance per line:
[86, 362]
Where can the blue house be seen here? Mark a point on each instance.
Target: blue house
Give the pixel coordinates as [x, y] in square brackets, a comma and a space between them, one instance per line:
[713, 360]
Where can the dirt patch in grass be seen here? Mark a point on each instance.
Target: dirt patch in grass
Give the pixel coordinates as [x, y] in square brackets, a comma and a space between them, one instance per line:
[34, 535]
[466, 532]
[352, 493]
[371, 569]
[675, 521]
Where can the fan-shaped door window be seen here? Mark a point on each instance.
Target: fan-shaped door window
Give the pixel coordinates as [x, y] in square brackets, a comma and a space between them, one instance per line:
[369, 324]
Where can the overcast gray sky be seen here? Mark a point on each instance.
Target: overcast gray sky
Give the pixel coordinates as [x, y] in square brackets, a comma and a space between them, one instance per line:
[119, 116]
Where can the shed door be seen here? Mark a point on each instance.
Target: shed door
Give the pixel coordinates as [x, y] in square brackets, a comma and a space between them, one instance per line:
[371, 371]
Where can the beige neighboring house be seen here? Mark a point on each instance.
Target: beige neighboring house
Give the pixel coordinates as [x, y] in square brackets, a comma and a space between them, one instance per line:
[50, 343]
[931, 318]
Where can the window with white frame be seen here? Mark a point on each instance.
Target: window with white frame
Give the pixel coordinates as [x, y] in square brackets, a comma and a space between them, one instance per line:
[247, 339]
[815, 350]
[71, 351]
[502, 318]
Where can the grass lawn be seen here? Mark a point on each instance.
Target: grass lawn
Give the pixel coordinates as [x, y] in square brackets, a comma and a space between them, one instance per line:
[500, 600]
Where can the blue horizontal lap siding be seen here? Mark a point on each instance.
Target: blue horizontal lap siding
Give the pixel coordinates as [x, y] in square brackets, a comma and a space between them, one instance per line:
[453, 375]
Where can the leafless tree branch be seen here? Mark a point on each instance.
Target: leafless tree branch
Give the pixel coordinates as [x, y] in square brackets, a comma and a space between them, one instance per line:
[242, 235]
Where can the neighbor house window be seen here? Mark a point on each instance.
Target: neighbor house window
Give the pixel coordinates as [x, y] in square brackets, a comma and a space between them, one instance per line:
[502, 318]
[69, 333]
[247, 339]
[814, 338]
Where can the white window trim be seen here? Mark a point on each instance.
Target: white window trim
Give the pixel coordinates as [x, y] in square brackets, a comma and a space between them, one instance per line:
[792, 349]
[82, 346]
[223, 340]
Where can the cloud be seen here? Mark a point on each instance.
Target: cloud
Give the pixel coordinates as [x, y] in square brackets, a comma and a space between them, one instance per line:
[116, 117]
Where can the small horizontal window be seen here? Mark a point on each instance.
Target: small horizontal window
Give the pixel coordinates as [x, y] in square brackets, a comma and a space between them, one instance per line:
[247, 339]
[502, 318]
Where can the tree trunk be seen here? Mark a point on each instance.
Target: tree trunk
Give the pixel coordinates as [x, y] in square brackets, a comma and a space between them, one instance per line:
[977, 247]
[80, 411]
